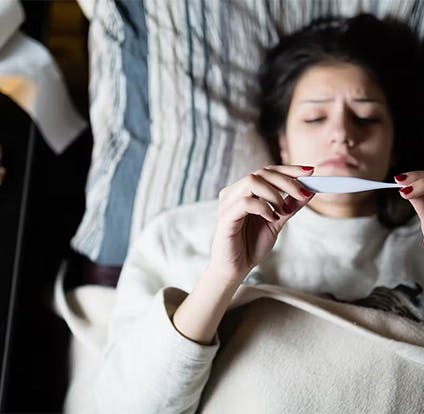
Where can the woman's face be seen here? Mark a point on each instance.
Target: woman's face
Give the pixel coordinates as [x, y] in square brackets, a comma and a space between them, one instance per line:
[339, 122]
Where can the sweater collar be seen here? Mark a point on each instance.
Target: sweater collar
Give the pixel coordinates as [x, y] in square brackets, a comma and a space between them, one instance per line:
[353, 228]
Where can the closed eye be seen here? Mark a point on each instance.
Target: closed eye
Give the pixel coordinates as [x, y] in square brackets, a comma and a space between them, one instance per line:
[314, 120]
[366, 120]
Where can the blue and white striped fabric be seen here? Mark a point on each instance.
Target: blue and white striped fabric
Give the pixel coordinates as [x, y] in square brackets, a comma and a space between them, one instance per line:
[170, 110]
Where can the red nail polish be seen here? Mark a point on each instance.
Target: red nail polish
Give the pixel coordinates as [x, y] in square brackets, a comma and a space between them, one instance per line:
[406, 190]
[307, 168]
[276, 216]
[304, 192]
[401, 177]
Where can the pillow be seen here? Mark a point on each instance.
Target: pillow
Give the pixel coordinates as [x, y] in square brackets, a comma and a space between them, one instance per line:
[170, 109]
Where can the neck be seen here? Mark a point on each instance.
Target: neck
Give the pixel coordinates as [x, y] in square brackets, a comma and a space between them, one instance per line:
[344, 205]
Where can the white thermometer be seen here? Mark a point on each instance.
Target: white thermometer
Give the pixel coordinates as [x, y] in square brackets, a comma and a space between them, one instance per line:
[340, 185]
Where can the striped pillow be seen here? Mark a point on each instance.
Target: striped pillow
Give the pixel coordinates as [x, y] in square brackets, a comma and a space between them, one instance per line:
[170, 109]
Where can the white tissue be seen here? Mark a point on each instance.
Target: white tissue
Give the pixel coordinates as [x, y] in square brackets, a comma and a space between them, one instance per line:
[30, 77]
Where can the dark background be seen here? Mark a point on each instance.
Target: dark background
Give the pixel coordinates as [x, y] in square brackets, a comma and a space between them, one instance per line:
[41, 205]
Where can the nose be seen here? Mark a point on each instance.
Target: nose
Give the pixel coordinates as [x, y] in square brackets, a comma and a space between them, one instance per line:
[342, 132]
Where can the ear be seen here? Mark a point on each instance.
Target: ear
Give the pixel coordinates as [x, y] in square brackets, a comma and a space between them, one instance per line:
[283, 148]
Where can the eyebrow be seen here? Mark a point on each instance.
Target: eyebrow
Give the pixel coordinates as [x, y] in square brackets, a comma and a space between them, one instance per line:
[361, 100]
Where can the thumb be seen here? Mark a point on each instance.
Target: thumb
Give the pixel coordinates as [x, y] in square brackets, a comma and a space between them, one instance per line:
[418, 204]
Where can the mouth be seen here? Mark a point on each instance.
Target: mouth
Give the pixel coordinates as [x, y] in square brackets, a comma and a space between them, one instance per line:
[340, 162]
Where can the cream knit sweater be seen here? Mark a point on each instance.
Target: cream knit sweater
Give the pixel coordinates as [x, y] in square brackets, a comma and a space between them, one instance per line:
[292, 342]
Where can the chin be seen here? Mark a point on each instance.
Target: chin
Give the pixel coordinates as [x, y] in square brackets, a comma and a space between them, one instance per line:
[350, 199]
[338, 172]
[338, 198]
[345, 172]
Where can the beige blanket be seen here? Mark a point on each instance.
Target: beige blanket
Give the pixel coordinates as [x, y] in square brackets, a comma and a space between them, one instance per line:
[282, 352]
[276, 357]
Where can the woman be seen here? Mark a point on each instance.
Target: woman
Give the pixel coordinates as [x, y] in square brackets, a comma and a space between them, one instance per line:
[341, 98]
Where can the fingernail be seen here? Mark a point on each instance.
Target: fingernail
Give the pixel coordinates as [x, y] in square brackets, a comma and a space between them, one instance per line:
[401, 177]
[306, 168]
[304, 192]
[276, 216]
[287, 209]
[406, 190]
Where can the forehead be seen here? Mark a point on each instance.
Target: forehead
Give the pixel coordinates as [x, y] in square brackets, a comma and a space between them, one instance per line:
[331, 81]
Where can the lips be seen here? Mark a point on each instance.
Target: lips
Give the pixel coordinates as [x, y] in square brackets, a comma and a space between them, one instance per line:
[341, 162]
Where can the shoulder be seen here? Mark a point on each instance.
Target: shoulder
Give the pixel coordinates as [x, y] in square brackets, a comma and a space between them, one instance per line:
[411, 230]
[170, 251]
[192, 223]
[406, 240]
[405, 252]
[181, 232]
[186, 216]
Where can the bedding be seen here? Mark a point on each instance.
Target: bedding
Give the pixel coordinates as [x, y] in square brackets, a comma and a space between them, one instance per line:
[170, 86]
[128, 332]
[287, 356]
[286, 351]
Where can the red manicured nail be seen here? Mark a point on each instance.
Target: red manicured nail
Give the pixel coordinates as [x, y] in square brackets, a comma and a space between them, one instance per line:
[406, 190]
[287, 209]
[307, 168]
[401, 177]
[277, 217]
[304, 192]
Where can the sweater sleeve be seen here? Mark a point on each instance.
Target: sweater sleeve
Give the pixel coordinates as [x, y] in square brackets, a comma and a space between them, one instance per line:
[148, 366]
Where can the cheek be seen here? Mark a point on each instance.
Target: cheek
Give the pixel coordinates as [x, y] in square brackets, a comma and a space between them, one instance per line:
[302, 148]
[382, 143]
[377, 153]
[304, 145]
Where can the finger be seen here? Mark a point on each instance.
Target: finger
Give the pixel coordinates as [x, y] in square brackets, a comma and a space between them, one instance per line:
[409, 177]
[257, 186]
[418, 205]
[292, 170]
[285, 183]
[247, 185]
[295, 205]
[414, 190]
[254, 186]
[249, 205]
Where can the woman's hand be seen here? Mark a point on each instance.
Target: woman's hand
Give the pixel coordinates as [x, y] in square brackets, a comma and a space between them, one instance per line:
[413, 191]
[251, 214]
